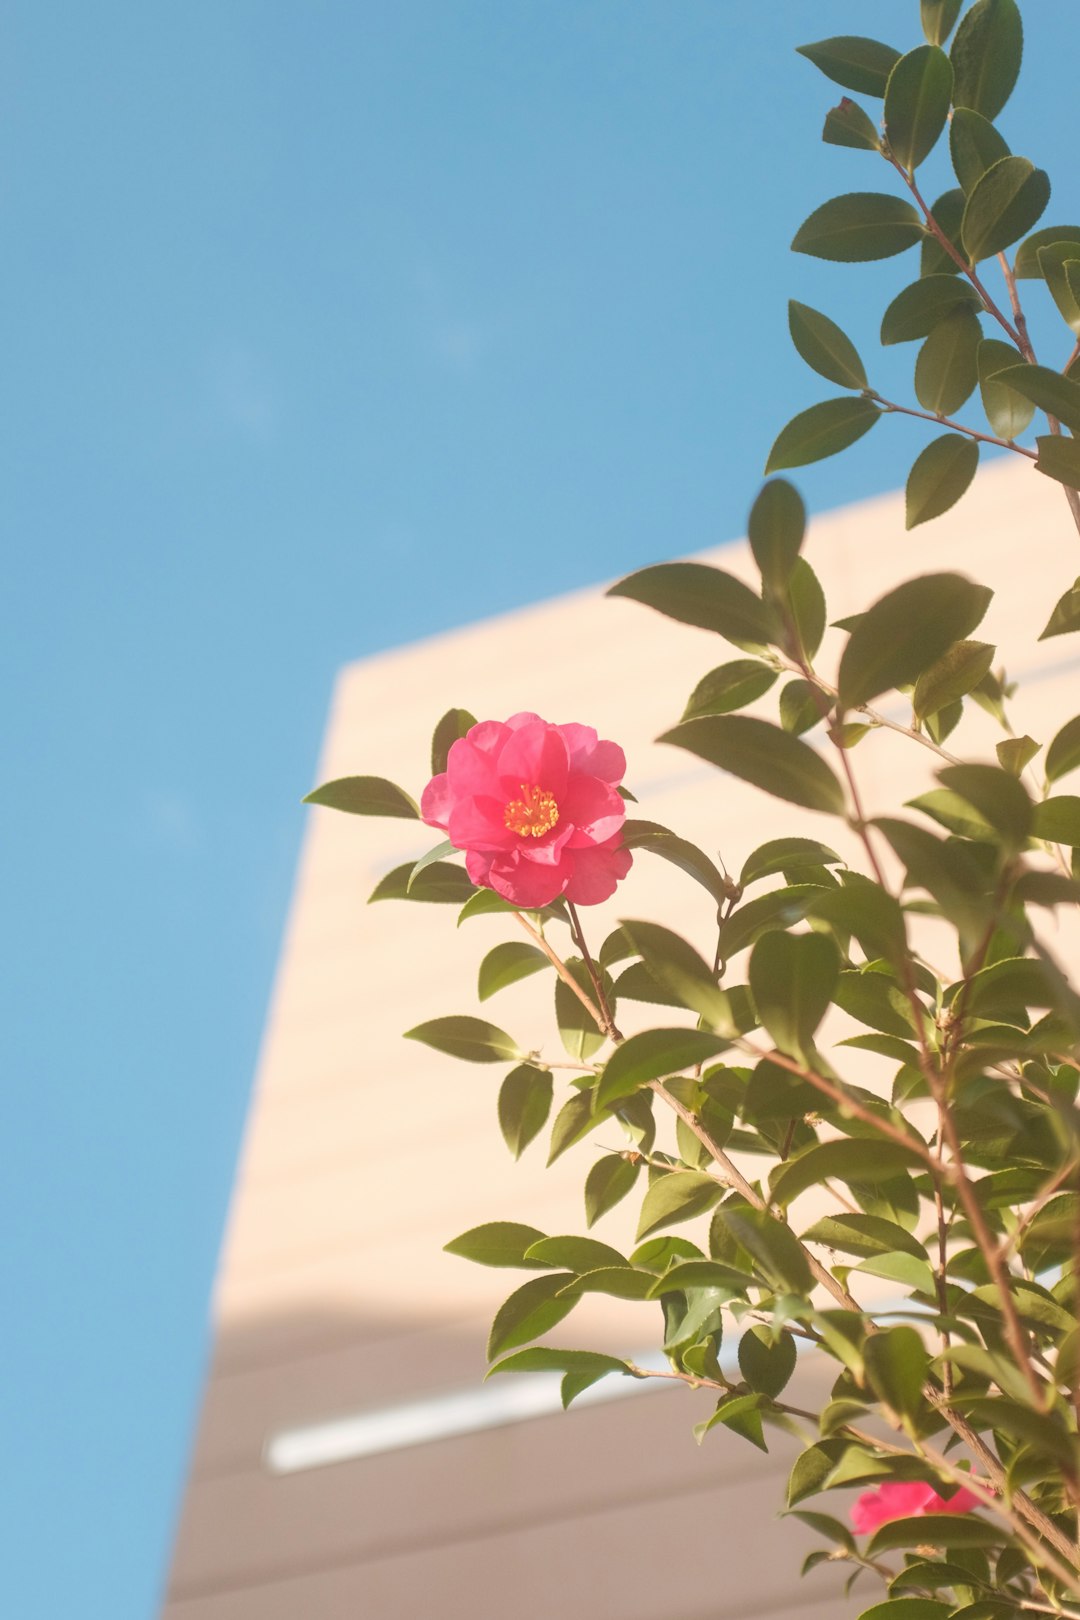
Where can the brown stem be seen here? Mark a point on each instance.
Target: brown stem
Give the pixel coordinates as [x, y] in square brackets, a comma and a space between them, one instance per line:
[597, 978]
[564, 972]
[957, 427]
[1072, 496]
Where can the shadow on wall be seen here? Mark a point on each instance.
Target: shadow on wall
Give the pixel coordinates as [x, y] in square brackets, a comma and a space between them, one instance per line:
[608, 1510]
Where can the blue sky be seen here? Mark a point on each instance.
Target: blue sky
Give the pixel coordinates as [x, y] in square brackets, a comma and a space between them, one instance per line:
[329, 325]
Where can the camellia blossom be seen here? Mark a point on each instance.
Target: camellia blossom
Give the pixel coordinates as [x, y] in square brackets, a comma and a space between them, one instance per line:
[536, 809]
[905, 1499]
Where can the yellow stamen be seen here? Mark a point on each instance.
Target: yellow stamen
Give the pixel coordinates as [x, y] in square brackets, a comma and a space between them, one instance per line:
[534, 814]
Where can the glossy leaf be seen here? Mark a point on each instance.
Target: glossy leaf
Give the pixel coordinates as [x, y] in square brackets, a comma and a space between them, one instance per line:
[778, 908]
[868, 913]
[948, 214]
[897, 1364]
[438, 883]
[546, 1358]
[863, 1160]
[497, 1243]
[946, 370]
[575, 1119]
[531, 1311]
[729, 687]
[471, 1039]
[1015, 753]
[940, 475]
[953, 676]
[907, 1608]
[853, 61]
[806, 604]
[686, 856]
[607, 1183]
[765, 755]
[918, 308]
[1060, 266]
[974, 146]
[777, 521]
[986, 56]
[906, 632]
[847, 124]
[572, 1253]
[524, 1106]
[365, 796]
[801, 706]
[1026, 266]
[998, 797]
[858, 226]
[1057, 395]
[506, 963]
[454, 724]
[792, 980]
[823, 430]
[578, 1029]
[653, 1055]
[694, 593]
[1058, 820]
[1007, 412]
[938, 18]
[1059, 458]
[864, 1235]
[935, 1530]
[825, 347]
[1004, 204]
[766, 1363]
[1063, 754]
[786, 855]
[677, 1197]
[678, 967]
[773, 1246]
[1066, 615]
[917, 99]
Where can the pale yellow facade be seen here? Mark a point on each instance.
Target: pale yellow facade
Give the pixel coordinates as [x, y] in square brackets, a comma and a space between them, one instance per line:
[365, 1153]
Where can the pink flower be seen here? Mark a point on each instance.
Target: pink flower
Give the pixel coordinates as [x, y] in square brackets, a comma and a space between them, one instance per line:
[905, 1499]
[535, 808]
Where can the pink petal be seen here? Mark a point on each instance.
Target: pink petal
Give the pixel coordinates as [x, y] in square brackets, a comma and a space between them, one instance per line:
[535, 754]
[487, 735]
[478, 824]
[595, 809]
[597, 870]
[963, 1502]
[592, 757]
[478, 866]
[526, 884]
[898, 1499]
[471, 771]
[437, 801]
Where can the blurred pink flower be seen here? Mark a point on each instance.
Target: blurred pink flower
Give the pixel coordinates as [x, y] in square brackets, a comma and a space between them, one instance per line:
[905, 1499]
[535, 808]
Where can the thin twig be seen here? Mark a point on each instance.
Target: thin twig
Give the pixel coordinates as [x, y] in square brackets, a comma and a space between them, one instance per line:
[564, 972]
[891, 406]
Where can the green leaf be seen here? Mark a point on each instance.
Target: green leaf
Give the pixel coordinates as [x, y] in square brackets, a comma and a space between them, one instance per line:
[609, 1181]
[1063, 755]
[907, 1608]
[1007, 412]
[877, 1000]
[786, 855]
[764, 755]
[766, 1363]
[863, 1160]
[822, 430]
[498, 1243]
[847, 125]
[729, 687]
[1015, 982]
[575, 1119]
[1015, 753]
[974, 145]
[433, 855]
[679, 968]
[918, 308]
[468, 1038]
[947, 213]
[524, 1105]
[864, 1235]
[934, 1530]
[868, 913]
[779, 908]
[454, 724]
[806, 602]
[896, 1365]
[437, 882]
[652, 1055]
[1058, 820]
[741, 1414]
[946, 369]
[678, 1196]
[1004, 204]
[544, 1358]
[858, 226]
[774, 1093]
[576, 1254]
[998, 797]
[773, 1246]
[826, 349]
[917, 99]
[953, 676]
[951, 812]
[577, 1028]
[938, 478]
[801, 705]
[905, 632]
[1057, 395]
[850, 60]
[792, 979]
[365, 796]
[809, 1474]
[693, 1273]
[531, 1311]
[506, 963]
[1060, 265]
[986, 56]
[1066, 615]
[694, 593]
[687, 857]
[777, 521]
[1059, 458]
[1027, 266]
[938, 19]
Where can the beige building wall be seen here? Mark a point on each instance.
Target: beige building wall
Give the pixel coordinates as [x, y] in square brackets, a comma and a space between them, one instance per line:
[365, 1153]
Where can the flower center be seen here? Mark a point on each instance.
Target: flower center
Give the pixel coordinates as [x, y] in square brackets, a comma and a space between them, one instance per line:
[534, 814]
